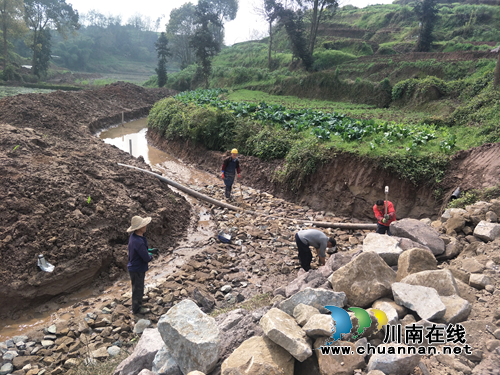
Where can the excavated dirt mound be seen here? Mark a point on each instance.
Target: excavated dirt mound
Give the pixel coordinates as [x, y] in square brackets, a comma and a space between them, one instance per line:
[63, 195]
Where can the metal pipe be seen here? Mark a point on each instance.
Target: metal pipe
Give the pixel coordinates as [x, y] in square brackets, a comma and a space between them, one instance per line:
[323, 224]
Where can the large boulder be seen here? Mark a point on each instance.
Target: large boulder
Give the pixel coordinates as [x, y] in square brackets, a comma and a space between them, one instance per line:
[319, 325]
[385, 246]
[487, 231]
[318, 298]
[388, 309]
[457, 309]
[407, 244]
[452, 250]
[284, 331]
[302, 313]
[478, 209]
[424, 301]
[453, 212]
[144, 353]
[440, 280]
[338, 364]
[164, 364]
[419, 232]
[454, 224]
[256, 356]
[311, 279]
[364, 280]
[391, 363]
[191, 336]
[479, 281]
[415, 260]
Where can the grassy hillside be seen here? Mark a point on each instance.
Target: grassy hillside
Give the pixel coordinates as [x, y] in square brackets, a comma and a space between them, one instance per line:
[369, 95]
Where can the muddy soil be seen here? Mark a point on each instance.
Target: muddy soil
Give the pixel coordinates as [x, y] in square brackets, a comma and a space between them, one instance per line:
[477, 168]
[63, 195]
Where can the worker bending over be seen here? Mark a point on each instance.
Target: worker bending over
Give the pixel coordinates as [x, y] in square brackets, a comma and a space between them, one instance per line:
[316, 239]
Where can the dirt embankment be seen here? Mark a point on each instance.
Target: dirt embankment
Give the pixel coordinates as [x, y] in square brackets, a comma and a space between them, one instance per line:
[348, 186]
[62, 194]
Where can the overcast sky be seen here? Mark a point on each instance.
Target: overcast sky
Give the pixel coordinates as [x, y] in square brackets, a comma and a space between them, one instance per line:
[246, 26]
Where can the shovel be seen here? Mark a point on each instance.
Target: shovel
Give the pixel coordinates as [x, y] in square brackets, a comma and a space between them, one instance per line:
[386, 194]
[241, 201]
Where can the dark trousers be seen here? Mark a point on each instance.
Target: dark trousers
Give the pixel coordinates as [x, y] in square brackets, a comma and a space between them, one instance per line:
[228, 181]
[137, 279]
[382, 229]
[305, 255]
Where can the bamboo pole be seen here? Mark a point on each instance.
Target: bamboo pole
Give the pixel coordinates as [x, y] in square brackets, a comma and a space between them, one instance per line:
[323, 224]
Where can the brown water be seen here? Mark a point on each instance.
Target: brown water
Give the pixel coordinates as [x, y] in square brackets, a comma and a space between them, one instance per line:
[201, 230]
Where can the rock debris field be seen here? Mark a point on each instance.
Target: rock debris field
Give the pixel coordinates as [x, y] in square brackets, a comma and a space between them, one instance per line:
[243, 307]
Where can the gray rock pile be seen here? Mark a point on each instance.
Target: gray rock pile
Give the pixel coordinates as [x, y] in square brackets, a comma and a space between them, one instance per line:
[433, 276]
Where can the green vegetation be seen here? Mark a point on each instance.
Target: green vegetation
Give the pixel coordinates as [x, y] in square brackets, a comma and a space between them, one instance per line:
[475, 195]
[307, 138]
[11, 91]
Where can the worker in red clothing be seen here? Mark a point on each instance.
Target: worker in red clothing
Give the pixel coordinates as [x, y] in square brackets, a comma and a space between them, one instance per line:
[384, 220]
[230, 167]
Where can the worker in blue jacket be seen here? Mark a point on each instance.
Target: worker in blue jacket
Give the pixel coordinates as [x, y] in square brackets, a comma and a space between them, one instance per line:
[138, 259]
[230, 167]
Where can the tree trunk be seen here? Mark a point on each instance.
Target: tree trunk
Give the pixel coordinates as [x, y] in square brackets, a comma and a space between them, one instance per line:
[496, 80]
[314, 20]
[5, 52]
[3, 13]
[270, 44]
[33, 63]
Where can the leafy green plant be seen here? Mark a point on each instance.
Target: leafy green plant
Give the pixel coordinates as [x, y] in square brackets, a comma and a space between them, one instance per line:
[15, 148]
[475, 195]
[448, 143]
[303, 159]
[330, 58]
[88, 200]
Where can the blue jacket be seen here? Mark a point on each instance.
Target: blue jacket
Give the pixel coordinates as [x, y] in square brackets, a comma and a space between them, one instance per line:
[138, 256]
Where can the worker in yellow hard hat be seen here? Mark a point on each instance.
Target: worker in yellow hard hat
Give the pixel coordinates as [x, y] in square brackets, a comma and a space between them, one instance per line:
[230, 167]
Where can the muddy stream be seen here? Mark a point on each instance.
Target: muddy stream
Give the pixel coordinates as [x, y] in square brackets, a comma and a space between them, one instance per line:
[201, 232]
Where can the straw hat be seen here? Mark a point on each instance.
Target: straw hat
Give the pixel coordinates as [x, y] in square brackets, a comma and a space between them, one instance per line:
[138, 222]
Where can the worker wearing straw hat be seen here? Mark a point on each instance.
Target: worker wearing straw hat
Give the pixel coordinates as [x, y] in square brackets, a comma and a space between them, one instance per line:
[138, 259]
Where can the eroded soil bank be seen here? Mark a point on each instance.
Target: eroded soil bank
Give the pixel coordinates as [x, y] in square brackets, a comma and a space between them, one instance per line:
[348, 186]
[63, 195]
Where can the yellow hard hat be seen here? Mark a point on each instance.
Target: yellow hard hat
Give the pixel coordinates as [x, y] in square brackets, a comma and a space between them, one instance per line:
[234, 151]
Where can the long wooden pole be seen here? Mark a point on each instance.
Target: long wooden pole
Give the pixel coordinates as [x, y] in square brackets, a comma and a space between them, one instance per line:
[323, 224]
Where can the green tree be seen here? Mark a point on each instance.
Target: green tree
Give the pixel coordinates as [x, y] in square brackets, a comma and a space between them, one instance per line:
[319, 11]
[10, 15]
[496, 78]
[42, 15]
[180, 29]
[163, 52]
[270, 10]
[426, 12]
[224, 10]
[42, 53]
[294, 26]
[203, 40]
[76, 52]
